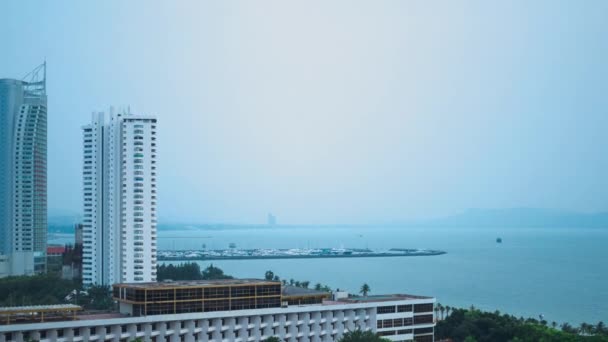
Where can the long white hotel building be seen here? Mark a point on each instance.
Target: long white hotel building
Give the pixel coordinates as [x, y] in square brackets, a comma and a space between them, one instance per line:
[119, 190]
[237, 310]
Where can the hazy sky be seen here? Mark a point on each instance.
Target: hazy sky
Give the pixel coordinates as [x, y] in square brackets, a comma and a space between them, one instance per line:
[332, 111]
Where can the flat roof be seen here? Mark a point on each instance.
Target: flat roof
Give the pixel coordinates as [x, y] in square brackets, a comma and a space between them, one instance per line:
[39, 308]
[380, 298]
[289, 291]
[197, 283]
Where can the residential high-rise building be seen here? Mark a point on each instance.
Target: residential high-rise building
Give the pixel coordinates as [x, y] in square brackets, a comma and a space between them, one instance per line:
[23, 172]
[119, 188]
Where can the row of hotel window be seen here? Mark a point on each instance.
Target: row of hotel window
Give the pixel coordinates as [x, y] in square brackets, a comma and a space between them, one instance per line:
[419, 331]
[222, 336]
[208, 306]
[427, 307]
[404, 322]
[140, 295]
[176, 326]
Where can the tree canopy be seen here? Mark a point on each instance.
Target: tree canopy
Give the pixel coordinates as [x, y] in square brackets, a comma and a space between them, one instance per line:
[189, 271]
[475, 325]
[365, 289]
[214, 273]
[35, 290]
[51, 289]
[270, 275]
[185, 271]
[361, 336]
[272, 338]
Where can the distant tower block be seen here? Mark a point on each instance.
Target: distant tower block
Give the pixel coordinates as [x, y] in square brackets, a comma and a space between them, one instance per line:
[272, 220]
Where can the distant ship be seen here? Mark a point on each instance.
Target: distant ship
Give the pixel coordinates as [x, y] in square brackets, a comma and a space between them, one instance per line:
[498, 240]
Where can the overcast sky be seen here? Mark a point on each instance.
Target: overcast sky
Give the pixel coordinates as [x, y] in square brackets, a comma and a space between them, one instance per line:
[331, 111]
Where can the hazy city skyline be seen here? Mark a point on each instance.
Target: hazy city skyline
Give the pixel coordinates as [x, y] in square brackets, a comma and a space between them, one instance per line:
[331, 112]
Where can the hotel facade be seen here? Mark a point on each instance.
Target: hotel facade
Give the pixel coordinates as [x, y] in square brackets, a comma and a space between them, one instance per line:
[236, 310]
[120, 196]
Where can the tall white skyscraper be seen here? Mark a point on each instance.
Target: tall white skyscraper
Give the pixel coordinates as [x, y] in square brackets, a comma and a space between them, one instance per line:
[23, 174]
[120, 196]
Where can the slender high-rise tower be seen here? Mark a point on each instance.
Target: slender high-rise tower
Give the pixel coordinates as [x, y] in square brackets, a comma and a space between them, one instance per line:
[119, 187]
[23, 184]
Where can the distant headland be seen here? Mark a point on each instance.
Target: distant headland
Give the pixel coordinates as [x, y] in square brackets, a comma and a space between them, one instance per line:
[62, 222]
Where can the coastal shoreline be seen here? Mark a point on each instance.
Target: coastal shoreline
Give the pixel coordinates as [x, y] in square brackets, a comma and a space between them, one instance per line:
[250, 255]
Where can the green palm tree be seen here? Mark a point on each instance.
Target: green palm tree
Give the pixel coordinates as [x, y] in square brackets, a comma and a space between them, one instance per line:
[442, 310]
[436, 309]
[584, 328]
[447, 311]
[554, 324]
[365, 290]
[566, 327]
[600, 328]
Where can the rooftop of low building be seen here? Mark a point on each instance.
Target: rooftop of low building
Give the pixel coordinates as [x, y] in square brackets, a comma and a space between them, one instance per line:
[39, 308]
[197, 283]
[379, 298]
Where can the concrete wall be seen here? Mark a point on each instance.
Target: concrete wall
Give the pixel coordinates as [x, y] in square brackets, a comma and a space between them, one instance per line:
[314, 323]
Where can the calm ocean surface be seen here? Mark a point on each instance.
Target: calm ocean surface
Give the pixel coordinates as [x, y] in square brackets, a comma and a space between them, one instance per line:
[560, 273]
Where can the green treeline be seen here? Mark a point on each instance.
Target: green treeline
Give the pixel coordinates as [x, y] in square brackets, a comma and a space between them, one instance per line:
[49, 289]
[189, 271]
[35, 290]
[362, 336]
[269, 275]
[192, 271]
[473, 325]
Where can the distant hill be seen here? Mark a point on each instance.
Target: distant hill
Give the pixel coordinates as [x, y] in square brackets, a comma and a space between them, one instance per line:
[521, 218]
[471, 218]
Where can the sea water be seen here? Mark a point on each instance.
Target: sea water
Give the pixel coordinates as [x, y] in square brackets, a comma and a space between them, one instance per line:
[561, 274]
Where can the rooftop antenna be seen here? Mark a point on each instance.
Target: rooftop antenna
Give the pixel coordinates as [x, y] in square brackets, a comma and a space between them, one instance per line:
[35, 81]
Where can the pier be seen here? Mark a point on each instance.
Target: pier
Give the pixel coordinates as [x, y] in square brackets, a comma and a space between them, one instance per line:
[294, 253]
